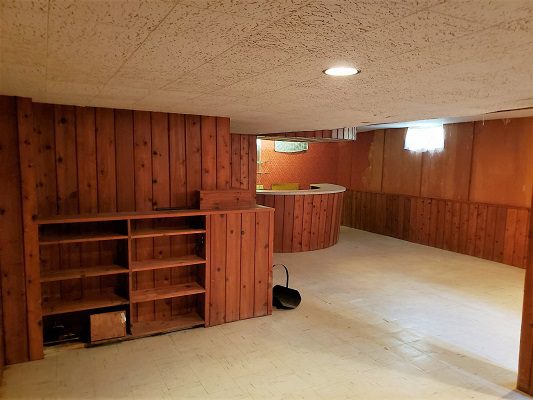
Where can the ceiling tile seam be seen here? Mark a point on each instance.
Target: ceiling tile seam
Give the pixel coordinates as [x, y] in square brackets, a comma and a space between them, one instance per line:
[225, 51]
[137, 48]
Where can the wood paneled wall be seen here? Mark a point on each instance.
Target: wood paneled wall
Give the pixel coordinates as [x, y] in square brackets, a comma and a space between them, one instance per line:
[525, 365]
[11, 239]
[494, 232]
[104, 160]
[485, 168]
[241, 260]
[304, 222]
[89, 160]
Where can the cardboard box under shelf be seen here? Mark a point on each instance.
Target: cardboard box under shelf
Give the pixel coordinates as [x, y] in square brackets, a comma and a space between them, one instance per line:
[110, 325]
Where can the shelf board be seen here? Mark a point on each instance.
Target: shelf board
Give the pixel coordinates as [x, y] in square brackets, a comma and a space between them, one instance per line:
[88, 303]
[76, 273]
[52, 238]
[171, 262]
[185, 321]
[164, 231]
[166, 292]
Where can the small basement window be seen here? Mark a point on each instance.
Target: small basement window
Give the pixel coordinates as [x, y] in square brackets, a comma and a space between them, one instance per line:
[425, 138]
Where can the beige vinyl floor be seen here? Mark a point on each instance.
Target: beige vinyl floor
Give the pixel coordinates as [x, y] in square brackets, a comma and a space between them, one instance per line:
[380, 319]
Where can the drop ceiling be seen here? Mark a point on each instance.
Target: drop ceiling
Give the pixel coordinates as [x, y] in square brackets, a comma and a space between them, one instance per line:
[261, 62]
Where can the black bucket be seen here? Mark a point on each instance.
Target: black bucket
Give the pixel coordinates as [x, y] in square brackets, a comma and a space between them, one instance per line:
[284, 297]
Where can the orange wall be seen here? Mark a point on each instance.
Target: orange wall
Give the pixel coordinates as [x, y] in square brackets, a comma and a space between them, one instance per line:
[486, 162]
[319, 164]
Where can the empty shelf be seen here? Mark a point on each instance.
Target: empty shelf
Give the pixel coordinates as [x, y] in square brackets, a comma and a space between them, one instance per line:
[164, 231]
[166, 292]
[74, 273]
[88, 303]
[63, 238]
[184, 321]
[171, 262]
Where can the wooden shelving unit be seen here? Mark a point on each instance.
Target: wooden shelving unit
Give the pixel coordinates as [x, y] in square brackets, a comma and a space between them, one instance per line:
[166, 292]
[49, 239]
[163, 231]
[127, 243]
[162, 263]
[89, 303]
[79, 273]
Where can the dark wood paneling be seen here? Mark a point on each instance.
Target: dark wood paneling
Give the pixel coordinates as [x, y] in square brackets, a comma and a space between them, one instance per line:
[11, 240]
[88, 160]
[304, 222]
[493, 232]
[525, 364]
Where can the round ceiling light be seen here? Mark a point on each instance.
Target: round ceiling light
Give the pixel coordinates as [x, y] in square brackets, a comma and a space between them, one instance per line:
[341, 71]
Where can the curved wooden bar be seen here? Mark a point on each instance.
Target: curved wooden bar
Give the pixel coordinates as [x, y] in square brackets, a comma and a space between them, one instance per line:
[304, 220]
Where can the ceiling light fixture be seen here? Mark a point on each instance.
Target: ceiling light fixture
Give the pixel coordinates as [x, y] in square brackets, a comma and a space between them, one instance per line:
[341, 71]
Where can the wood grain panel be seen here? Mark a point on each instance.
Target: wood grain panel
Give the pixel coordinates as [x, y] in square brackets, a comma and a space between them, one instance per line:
[31, 239]
[402, 169]
[247, 300]
[89, 160]
[105, 160]
[525, 364]
[66, 159]
[223, 154]
[497, 233]
[178, 163]
[193, 153]
[501, 159]
[446, 174]
[304, 222]
[262, 250]
[209, 153]
[367, 161]
[233, 267]
[11, 240]
[217, 297]
[125, 160]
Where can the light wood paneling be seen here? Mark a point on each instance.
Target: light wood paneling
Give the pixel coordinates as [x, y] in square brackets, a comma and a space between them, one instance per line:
[241, 273]
[402, 169]
[446, 174]
[502, 171]
[367, 161]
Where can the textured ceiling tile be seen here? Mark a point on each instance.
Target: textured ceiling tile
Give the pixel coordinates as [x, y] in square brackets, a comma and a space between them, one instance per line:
[488, 12]
[97, 35]
[188, 38]
[261, 62]
[240, 62]
[22, 80]
[256, 9]
[23, 31]
[166, 98]
[419, 30]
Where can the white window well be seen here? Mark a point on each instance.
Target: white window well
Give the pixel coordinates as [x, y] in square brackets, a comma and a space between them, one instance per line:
[425, 138]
